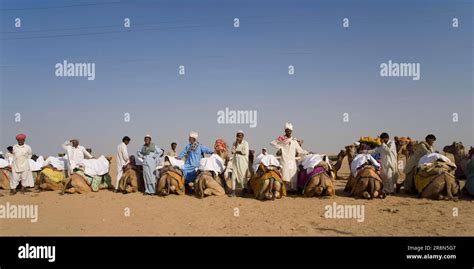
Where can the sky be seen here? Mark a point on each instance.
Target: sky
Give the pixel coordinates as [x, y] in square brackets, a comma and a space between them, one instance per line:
[337, 71]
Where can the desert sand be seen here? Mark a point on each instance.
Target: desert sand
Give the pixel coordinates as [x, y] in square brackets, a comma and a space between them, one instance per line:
[112, 214]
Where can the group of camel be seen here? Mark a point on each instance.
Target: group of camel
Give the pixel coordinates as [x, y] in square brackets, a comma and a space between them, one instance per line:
[266, 183]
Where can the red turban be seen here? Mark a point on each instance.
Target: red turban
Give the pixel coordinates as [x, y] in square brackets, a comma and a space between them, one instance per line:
[20, 136]
[220, 145]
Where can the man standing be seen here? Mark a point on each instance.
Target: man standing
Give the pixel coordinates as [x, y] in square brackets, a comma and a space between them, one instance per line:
[75, 153]
[421, 150]
[288, 148]
[172, 151]
[388, 156]
[192, 154]
[240, 162]
[122, 159]
[150, 154]
[20, 167]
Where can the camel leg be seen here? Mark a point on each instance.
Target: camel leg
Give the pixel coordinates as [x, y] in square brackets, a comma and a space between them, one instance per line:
[214, 188]
[175, 187]
[277, 186]
[449, 188]
[133, 180]
[311, 186]
[330, 190]
[161, 190]
[263, 189]
[199, 187]
[379, 189]
[66, 185]
[269, 194]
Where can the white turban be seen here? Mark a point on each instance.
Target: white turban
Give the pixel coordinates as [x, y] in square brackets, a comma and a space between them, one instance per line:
[193, 134]
[288, 126]
[148, 136]
[240, 132]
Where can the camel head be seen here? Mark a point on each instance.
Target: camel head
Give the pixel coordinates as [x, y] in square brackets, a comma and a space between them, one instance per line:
[456, 148]
[411, 146]
[401, 143]
[341, 155]
[351, 150]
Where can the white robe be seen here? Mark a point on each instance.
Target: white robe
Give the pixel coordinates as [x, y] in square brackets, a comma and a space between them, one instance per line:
[389, 160]
[75, 155]
[21, 171]
[240, 164]
[288, 160]
[122, 160]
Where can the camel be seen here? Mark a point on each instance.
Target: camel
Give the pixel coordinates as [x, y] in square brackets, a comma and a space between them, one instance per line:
[5, 175]
[170, 180]
[442, 187]
[79, 183]
[337, 166]
[320, 184]
[401, 144]
[351, 152]
[50, 179]
[132, 178]
[460, 158]
[208, 182]
[436, 181]
[367, 184]
[266, 183]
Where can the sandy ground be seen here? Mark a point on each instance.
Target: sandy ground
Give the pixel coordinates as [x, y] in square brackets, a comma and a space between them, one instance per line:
[106, 213]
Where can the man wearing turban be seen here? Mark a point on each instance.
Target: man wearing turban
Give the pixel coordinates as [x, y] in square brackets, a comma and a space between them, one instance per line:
[288, 146]
[21, 172]
[192, 154]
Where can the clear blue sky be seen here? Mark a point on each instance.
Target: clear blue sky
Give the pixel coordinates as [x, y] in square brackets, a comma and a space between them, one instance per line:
[337, 71]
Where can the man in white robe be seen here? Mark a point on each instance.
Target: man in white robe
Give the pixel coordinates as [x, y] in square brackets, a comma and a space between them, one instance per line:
[75, 153]
[122, 159]
[388, 157]
[288, 147]
[240, 162]
[21, 171]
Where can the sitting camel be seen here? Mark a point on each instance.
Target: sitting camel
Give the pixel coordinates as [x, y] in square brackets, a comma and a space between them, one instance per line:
[79, 182]
[170, 179]
[436, 180]
[210, 179]
[50, 179]
[132, 178]
[267, 183]
[5, 176]
[367, 183]
[319, 182]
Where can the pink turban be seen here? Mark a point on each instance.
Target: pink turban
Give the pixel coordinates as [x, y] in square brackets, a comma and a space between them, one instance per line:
[20, 136]
[220, 145]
